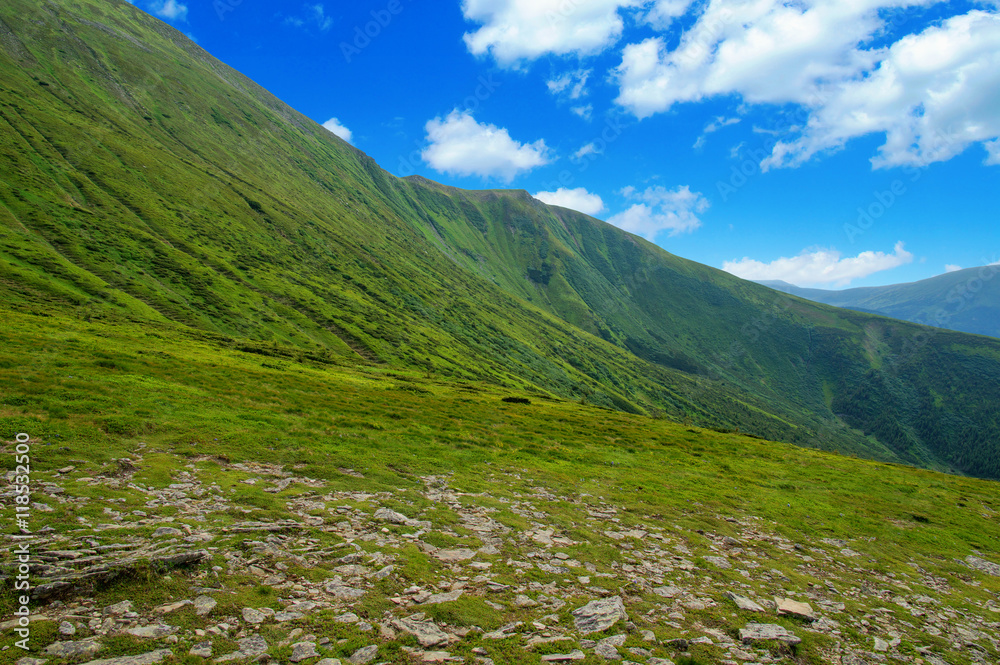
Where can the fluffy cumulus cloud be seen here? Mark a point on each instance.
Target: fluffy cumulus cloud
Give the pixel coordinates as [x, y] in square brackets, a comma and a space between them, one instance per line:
[820, 267]
[951, 267]
[932, 94]
[459, 145]
[657, 210]
[516, 30]
[339, 129]
[578, 199]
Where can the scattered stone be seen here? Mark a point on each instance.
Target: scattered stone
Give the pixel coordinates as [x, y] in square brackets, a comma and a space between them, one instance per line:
[982, 565]
[153, 632]
[454, 556]
[576, 654]
[744, 603]
[608, 647]
[253, 616]
[426, 631]
[167, 531]
[719, 562]
[82, 648]
[599, 615]
[667, 591]
[303, 651]
[142, 659]
[201, 650]
[204, 605]
[522, 600]
[66, 628]
[342, 592]
[364, 655]
[755, 632]
[391, 516]
[118, 609]
[444, 597]
[172, 607]
[795, 608]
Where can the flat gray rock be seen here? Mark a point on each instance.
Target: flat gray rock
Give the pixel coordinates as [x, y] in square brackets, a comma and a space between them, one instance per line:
[363, 655]
[454, 556]
[598, 615]
[667, 591]
[344, 592]
[303, 651]
[391, 516]
[153, 632]
[253, 646]
[795, 608]
[73, 649]
[204, 604]
[744, 603]
[253, 616]
[142, 659]
[982, 565]
[201, 650]
[755, 632]
[576, 654]
[426, 631]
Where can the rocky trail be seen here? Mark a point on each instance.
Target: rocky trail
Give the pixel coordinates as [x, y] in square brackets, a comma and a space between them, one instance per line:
[185, 570]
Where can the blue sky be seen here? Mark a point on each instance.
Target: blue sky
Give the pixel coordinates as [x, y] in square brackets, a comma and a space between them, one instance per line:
[827, 143]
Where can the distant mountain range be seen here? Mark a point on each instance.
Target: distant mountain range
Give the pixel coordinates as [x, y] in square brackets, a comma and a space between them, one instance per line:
[145, 183]
[965, 300]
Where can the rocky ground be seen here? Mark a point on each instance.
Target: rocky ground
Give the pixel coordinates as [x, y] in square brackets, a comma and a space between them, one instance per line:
[186, 568]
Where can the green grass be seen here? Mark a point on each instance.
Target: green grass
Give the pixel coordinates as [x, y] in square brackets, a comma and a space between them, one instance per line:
[196, 202]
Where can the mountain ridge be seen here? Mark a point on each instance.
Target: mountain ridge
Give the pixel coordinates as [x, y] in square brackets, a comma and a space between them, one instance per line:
[965, 300]
[203, 207]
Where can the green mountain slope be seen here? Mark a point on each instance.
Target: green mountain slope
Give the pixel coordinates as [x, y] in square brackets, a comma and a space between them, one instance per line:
[141, 180]
[965, 300]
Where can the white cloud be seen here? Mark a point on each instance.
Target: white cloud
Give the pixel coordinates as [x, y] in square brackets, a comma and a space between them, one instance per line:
[931, 94]
[712, 127]
[516, 30]
[992, 152]
[337, 128]
[952, 268]
[583, 111]
[169, 9]
[663, 12]
[578, 199]
[315, 14]
[661, 209]
[319, 17]
[461, 146]
[820, 266]
[574, 84]
[588, 149]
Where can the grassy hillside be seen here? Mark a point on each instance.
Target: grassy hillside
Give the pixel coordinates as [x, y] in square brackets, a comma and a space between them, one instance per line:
[145, 182]
[965, 300]
[152, 446]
